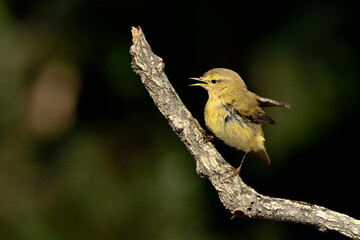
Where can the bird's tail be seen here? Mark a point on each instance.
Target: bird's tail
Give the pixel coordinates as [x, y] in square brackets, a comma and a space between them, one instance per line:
[263, 156]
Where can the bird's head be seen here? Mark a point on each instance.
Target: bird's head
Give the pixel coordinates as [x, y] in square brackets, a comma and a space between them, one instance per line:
[219, 80]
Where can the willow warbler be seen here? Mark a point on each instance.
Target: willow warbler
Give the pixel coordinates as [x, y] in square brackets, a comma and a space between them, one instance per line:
[234, 114]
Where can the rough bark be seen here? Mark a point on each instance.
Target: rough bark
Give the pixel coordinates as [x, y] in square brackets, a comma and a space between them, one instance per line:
[238, 198]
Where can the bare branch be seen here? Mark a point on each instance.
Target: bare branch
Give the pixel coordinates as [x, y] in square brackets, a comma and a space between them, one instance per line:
[238, 198]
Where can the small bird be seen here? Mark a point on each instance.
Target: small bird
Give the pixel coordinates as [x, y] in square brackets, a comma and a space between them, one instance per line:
[234, 114]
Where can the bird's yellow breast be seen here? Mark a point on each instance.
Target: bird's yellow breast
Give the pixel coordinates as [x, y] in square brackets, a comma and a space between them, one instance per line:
[232, 128]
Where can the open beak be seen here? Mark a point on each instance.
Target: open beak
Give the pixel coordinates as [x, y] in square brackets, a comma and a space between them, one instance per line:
[202, 82]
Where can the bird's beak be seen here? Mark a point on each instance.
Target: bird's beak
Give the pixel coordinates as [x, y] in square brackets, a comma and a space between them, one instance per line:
[202, 82]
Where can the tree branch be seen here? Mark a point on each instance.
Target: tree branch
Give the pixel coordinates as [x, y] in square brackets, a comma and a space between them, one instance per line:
[238, 198]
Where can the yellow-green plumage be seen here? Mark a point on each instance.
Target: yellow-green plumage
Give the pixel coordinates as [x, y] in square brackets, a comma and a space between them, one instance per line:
[233, 113]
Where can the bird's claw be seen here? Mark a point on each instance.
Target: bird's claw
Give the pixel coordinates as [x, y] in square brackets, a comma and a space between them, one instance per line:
[236, 172]
[207, 138]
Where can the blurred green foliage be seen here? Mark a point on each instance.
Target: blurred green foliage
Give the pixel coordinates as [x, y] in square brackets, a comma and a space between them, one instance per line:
[84, 154]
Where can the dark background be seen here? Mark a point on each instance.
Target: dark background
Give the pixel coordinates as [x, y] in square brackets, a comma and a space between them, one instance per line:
[85, 154]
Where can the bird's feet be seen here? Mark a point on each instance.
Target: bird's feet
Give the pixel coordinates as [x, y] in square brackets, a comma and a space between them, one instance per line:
[207, 138]
[235, 172]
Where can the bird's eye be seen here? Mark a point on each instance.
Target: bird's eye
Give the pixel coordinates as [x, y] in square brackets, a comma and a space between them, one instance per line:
[213, 81]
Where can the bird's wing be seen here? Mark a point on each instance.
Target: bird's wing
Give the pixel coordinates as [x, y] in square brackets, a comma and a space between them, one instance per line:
[267, 102]
[257, 118]
[252, 114]
[263, 118]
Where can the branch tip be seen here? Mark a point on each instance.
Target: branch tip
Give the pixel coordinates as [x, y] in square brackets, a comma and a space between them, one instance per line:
[135, 31]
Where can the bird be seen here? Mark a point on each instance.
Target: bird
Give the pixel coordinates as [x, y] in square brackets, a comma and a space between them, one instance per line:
[234, 114]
